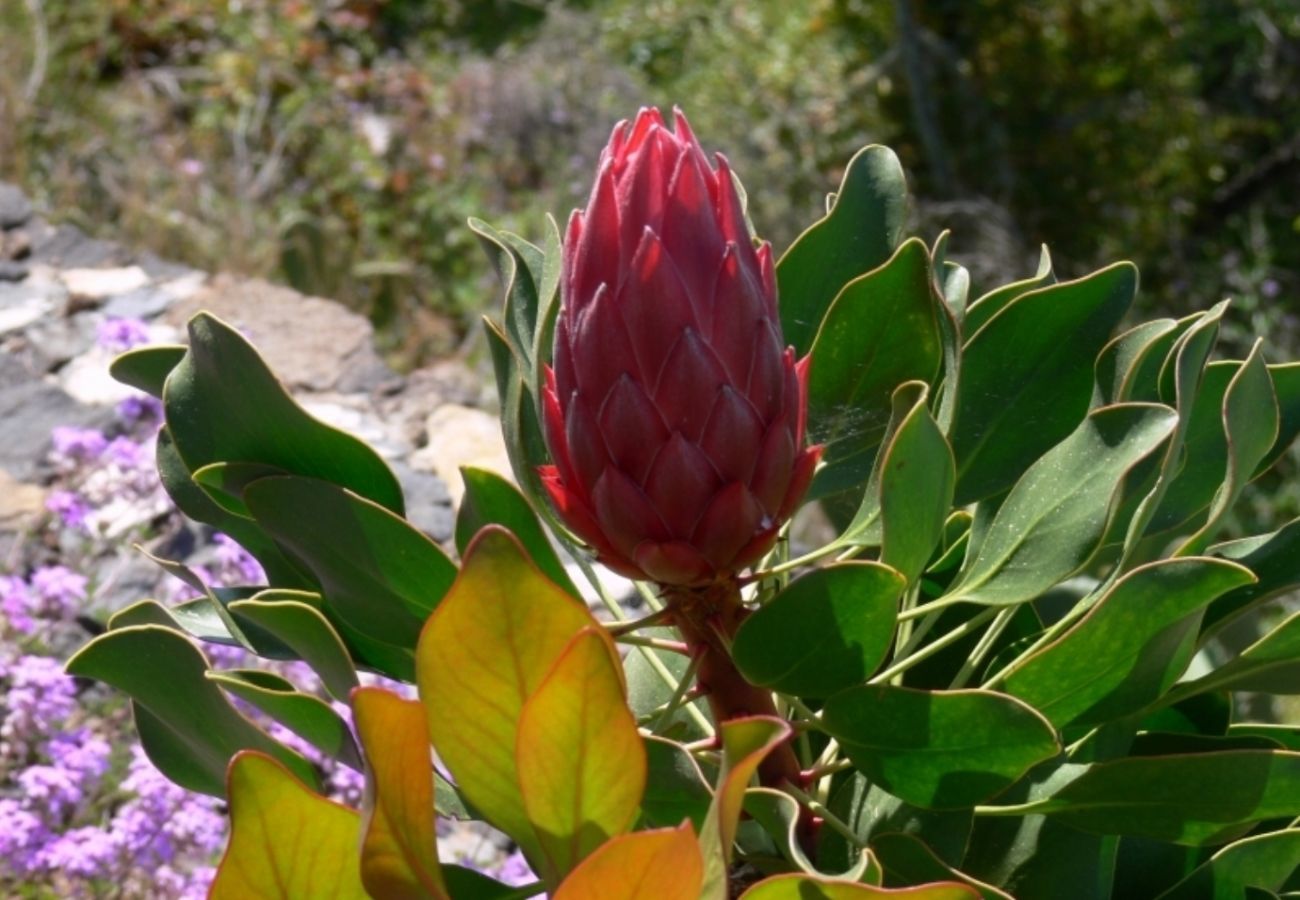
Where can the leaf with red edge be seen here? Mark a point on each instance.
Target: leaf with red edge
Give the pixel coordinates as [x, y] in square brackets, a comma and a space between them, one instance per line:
[745, 743]
[483, 652]
[806, 887]
[399, 857]
[581, 763]
[664, 864]
[286, 842]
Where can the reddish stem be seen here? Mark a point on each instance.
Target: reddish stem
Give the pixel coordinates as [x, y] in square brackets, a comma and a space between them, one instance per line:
[707, 619]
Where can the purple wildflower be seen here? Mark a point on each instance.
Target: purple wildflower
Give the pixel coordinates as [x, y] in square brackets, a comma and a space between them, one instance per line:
[118, 335]
[235, 565]
[70, 508]
[140, 408]
[60, 590]
[74, 445]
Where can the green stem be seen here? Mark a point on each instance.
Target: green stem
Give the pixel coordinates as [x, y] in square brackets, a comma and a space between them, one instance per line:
[629, 625]
[986, 642]
[834, 822]
[678, 697]
[967, 627]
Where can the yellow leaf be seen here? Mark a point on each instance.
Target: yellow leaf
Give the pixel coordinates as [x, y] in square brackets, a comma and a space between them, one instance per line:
[664, 864]
[399, 859]
[581, 763]
[286, 842]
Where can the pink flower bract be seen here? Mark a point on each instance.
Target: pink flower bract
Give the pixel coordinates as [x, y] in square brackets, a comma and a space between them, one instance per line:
[674, 413]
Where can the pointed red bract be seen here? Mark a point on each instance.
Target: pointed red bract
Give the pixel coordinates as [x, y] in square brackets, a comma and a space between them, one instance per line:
[675, 413]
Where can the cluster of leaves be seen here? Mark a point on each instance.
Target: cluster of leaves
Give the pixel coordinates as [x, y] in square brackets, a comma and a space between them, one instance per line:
[1007, 681]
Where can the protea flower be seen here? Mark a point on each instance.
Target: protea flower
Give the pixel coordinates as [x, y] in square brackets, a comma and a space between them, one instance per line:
[674, 413]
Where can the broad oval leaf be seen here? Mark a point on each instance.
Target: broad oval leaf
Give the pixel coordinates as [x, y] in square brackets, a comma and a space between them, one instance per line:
[808, 887]
[829, 629]
[1054, 519]
[581, 764]
[745, 744]
[916, 485]
[146, 368]
[906, 859]
[1027, 375]
[305, 715]
[1271, 665]
[1263, 860]
[859, 232]
[485, 650]
[491, 500]
[663, 864]
[939, 749]
[1275, 560]
[1129, 648]
[675, 787]
[223, 404]
[399, 858]
[302, 628]
[380, 574]
[989, 305]
[1192, 799]
[166, 675]
[286, 842]
[881, 331]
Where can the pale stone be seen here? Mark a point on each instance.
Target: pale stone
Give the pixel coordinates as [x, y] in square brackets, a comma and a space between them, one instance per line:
[462, 436]
[97, 284]
[86, 379]
[21, 504]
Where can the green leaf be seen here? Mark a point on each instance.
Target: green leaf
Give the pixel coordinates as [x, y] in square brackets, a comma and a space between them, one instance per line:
[881, 331]
[992, 303]
[1250, 422]
[223, 404]
[907, 860]
[858, 233]
[1192, 799]
[1275, 560]
[399, 857]
[1033, 856]
[780, 815]
[746, 743]
[1053, 521]
[224, 483]
[916, 485]
[663, 864]
[579, 758]
[286, 842]
[1286, 384]
[868, 810]
[1142, 383]
[1124, 357]
[808, 887]
[520, 423]
[379, 574]
[166, 676]
[194, 502]
[518, 264]
[492, 500]
[1129, 648]
[829, 629]
[307, 716]
[1264, 860]
[146, 368]
[675, 788]
[939, 749]
[482, 654]
[302, 627]
[1271, 665]
[1027, 377]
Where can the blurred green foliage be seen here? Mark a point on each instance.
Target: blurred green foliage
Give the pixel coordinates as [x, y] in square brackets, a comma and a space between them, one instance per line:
[340, 144]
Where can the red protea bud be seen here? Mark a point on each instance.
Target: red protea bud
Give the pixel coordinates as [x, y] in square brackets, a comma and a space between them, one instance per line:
[674, 413]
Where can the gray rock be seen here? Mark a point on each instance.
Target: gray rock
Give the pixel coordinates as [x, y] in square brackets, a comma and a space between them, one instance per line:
[60, 338]
[141, 303]
[309, 342]
[30, 410]
[24, 303]
[15, 208]
[70, 247]
[12, 271]
[428, 504]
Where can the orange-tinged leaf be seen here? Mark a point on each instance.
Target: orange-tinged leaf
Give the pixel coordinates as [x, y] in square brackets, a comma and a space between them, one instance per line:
[745, 743]
[663, 864]
[806, 887]
[286, 842]
[399, 858]
[581, 763]
[482, 654]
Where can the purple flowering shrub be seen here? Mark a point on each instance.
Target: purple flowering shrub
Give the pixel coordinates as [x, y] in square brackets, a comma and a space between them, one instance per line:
[83, 813]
